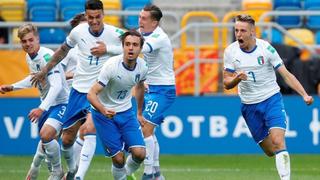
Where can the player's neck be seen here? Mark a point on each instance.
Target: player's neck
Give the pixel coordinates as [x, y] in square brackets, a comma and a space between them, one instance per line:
[129, 64]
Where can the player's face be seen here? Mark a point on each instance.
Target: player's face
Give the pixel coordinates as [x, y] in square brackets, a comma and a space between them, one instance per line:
[146, 23]
[30, 43]
[244, 33]
[95, 20]
[131, 48]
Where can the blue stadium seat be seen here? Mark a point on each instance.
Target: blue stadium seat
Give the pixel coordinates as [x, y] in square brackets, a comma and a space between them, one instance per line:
[42, 10]
[130, 22]
[288, 5]
[317, 37]
[69, 8]
[276, 36]
[52, 35]
[313, 22]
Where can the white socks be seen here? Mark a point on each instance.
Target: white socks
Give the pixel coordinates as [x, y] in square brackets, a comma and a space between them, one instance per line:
[118, 173]
[52, 150]
[77, 146]
[69, 157]
[38, 157]
[283, 164]
[148, 161]
[156, 154]
[87, 152]
[131, 166]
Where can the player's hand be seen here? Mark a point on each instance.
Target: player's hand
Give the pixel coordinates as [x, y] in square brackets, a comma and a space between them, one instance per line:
[37, 78]
[109, 113]
[5, 88]
[99, 50]
[308, 100]
[241, 75]
[141, 120]
[35, 114]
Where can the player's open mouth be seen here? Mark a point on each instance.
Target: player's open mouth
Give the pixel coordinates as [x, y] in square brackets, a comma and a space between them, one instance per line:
[240, 41]
[130, 53]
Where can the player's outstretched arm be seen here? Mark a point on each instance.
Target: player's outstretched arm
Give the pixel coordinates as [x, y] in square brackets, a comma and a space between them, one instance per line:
[292, 81]
[5, 88]
[58, 55]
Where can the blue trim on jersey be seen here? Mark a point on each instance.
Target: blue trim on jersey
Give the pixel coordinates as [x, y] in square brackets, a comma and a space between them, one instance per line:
[151, 49]
[277, 152]
[53, 72]
[230, 70]
[249, 51]
[33, 56]
[127, 68]
[95, 34]
[146, 34]
[101, 83]
[68, 45]
[277, 66]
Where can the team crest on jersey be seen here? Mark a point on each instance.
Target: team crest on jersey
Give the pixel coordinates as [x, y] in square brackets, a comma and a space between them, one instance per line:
[137, 79]
[47, 57]
[260, 60]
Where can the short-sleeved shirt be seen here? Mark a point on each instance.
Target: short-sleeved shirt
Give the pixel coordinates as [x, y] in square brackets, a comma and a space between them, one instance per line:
[259, 65]
[89, 66]
[118, 80]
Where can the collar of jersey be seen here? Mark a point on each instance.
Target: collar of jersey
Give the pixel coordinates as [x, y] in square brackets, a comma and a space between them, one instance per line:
[32, 57]
[95, 34]
[127, 68]
[255, 47]
[146, 34]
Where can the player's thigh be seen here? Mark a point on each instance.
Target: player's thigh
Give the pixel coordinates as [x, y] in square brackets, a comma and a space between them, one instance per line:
[88, 126]
[69, 134]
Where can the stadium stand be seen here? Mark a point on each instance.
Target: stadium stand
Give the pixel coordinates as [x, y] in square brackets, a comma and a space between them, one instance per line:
[52, 35]
[312, 22]
[130, 22]
[112, 5]
[69, 8]
[304, 35]
[288, 21]
[276, 36]
[42, 11]
[12, 10]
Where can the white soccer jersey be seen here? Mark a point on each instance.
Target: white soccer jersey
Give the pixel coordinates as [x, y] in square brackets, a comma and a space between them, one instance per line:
[158, 53]
[69, 63]
[118, 81]
[88, 66]
[259, 65]
[55, 78]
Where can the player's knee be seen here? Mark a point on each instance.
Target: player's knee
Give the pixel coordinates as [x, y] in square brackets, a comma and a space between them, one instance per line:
[46, 135]
[67, 141]
[118, 161]
[139, 155]
[277, 142]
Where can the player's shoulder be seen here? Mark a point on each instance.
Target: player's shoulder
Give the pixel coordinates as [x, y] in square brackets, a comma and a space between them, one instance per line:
[45, 53]
[114, 29]
[159, 34]
[232, 47]
[266, 45]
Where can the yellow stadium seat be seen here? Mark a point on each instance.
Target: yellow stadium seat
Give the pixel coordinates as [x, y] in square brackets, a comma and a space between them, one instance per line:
[304, 35]
[12, 10]
[257, 5]
[112, 5]
[15, 38]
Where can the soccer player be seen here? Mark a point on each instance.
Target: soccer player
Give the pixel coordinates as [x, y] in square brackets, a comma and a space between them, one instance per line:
[161, 91]
[251, 63]
[96, 42]
[112, 111]
[54, 97]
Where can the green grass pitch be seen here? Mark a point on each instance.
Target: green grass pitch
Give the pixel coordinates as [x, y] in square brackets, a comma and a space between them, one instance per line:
[186, 167]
